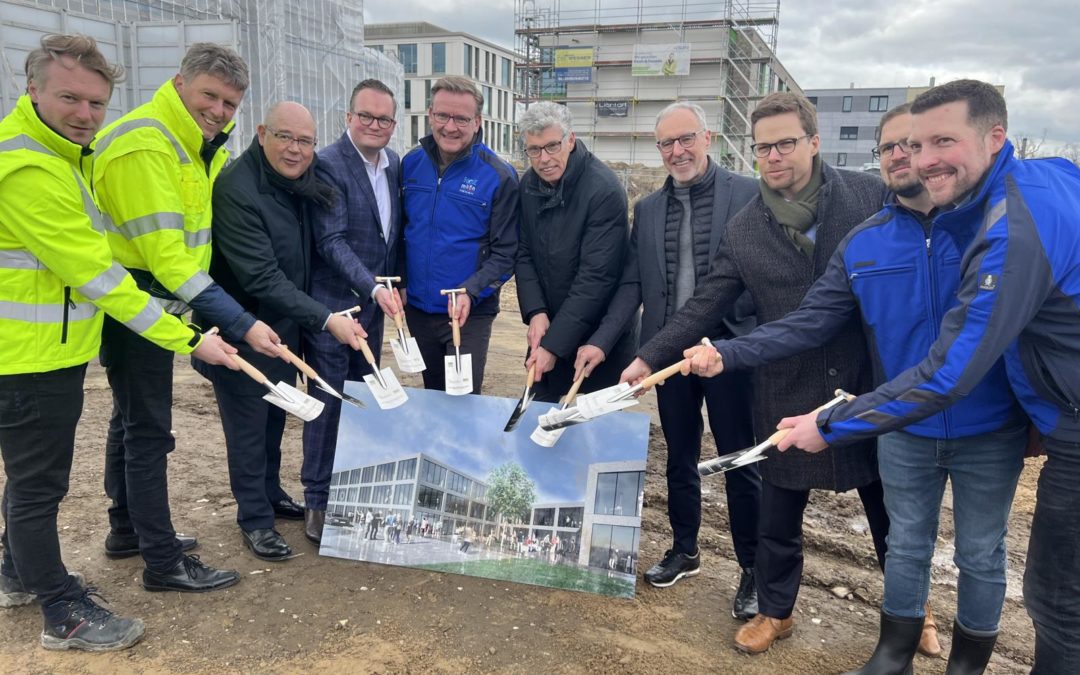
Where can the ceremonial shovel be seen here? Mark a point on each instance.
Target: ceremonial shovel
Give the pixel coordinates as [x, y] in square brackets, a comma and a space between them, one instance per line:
[526, 399]
[606, 400]
[740, 458]
[310, 373]
[406, 351]
[384, 385]
[285, 396]
[548, 439]
[458, 368]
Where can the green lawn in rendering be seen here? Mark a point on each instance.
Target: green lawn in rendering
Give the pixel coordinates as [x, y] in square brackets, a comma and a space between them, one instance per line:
[531, 571]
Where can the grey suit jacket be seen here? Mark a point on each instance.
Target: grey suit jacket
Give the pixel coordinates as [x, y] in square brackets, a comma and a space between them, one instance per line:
[350, 250]
[644, 281]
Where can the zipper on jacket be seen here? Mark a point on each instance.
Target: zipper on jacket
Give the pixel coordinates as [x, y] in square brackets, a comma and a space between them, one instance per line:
[935, 319]
[68, 305]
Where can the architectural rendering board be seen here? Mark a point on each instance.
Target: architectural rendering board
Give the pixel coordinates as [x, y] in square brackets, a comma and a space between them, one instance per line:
[437, 484]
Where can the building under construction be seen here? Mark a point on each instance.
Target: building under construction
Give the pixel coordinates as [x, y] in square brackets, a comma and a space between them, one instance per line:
[309, 51]
[617, 64]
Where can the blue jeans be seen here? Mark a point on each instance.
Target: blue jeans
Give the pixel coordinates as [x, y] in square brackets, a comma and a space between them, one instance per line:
[983, 470]
[1052, 579]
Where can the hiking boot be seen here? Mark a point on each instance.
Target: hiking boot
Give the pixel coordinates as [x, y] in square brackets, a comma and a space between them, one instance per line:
[83, 624]
[673, 567]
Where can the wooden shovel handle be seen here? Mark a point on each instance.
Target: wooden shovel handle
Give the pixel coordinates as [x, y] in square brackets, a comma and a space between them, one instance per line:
[398, 321]
[841, 397]
[661, 375]
[572, 394]
[251, 370]
[298, 362]
[455, 326]
[368, 356]
[530, 375]
[393, 279]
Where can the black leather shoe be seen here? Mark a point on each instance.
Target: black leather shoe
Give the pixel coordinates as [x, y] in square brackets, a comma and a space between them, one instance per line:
[267, 544]
[673, 567]
[127, 545]
[287, 509]
[313, 525]
[745, 605]
[189, 575]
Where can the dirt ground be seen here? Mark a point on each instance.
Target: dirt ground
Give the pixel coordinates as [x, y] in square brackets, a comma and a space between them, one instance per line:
[313, 614]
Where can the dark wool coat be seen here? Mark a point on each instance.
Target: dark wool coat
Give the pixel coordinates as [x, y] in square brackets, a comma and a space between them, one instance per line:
[757, 255]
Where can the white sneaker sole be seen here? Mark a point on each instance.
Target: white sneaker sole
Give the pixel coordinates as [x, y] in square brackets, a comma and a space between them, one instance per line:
[680, 575]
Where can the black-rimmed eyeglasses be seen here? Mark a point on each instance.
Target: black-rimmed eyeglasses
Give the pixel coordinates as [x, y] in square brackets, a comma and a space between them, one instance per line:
[886, 149]
[784, 146]
[551, 148]
[288, 139]
[686, 141]
[366, 120]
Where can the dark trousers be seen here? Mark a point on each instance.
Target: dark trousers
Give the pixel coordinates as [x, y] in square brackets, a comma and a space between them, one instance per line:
[253, 429]
[38, 416]
[557, 381]
[780, 557]
[139, 441]
[336, 363]
[435, 339]
[727, 398]
[1052, 578]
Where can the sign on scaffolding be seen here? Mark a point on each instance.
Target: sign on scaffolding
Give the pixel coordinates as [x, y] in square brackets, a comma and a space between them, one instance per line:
[661, 60]
[573, 64]
[613, 108]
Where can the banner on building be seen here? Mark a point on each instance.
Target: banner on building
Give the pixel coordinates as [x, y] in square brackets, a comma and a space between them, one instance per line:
[613, 108]
[661, 60]
[573, 64]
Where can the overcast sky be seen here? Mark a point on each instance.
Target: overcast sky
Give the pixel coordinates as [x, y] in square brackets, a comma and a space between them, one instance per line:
[1034, 52]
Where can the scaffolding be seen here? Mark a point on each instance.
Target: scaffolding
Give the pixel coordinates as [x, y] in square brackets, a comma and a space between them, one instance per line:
[733, 64]
[309, 51]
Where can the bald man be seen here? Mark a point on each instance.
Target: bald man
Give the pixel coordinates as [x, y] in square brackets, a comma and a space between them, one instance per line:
[262, 256]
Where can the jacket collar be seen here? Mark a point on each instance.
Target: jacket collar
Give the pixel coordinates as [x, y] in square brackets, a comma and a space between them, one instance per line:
[32, 125]
[432, 148]
[179, 121]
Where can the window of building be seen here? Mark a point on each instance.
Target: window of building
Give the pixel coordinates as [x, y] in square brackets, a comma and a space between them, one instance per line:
[849, 133]
[352, 495]
[354, 476]
[468, 59]
[841, 159]
[438, 57]
[487, 100]
[368, 475]
[614, 548]
[879, 103]
[384, 472]
[427, 97]
[406, 468]
[407, 98]
[476, 510]
[414, 132]
[506, 70]
[506, 137]
[429, 498]
[457, 483]
[544, 517]
[403, 494]
[571, 517]
[365, 495]
[617, 493]
[459, 506]
[380, 494]
[846, 107]
[407, 56]
[812, 99]
[336, 478]
[432, 473]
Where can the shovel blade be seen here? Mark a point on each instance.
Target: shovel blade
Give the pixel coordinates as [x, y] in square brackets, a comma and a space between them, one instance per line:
[343, 397]
[545, 438]
[407, 355]
[732, 460]
[458, 382]
[298, 403]
[560, 419]
[390, 396]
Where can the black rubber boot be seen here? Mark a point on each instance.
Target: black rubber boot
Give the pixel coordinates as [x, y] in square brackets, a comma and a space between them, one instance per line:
[897, 642]
[970, 652]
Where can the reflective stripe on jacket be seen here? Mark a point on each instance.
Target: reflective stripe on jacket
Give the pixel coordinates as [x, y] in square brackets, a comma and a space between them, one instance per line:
[56, 268]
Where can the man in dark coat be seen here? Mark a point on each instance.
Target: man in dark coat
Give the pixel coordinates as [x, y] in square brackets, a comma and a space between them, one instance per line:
[357, 238]
[571, 252]
[775, 248]
[677, 231]
[262, 257]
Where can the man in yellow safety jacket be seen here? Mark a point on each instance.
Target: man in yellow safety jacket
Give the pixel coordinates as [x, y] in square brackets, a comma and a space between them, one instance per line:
[56, 272]
[153, 173]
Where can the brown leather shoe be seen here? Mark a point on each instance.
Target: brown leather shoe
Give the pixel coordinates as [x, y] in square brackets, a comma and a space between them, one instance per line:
[928, 642]
[757, 635]
[313, 525]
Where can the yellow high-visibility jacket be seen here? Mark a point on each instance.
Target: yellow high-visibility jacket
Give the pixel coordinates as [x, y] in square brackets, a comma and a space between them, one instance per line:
[56, 268]
[155, 189]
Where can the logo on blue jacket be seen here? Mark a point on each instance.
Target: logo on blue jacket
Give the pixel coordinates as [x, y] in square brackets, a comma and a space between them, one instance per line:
[468, 186]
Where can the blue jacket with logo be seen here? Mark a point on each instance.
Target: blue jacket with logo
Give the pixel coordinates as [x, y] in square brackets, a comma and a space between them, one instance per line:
[902, 280]
[461, 228]
[1018, 297]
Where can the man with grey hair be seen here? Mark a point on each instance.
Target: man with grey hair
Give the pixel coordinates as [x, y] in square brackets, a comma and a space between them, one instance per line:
[573, 244]
[461, 229]
[680, 226]
[154, 171]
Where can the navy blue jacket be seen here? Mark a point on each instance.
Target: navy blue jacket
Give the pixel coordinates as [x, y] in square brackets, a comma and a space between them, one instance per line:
[461, 228]
[349, 243]
[902, 281]
[1019, 296]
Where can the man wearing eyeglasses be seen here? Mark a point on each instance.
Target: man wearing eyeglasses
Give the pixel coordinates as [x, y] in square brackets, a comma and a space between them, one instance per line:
[154, 171]
[774, 248]
[461, 229]
[357, 238]
[574, 234]
[263, 213]
[677, 229]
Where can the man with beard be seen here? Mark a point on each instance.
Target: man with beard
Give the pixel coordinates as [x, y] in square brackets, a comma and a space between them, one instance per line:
[263, 212]
[977, 444]
[774, 248]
